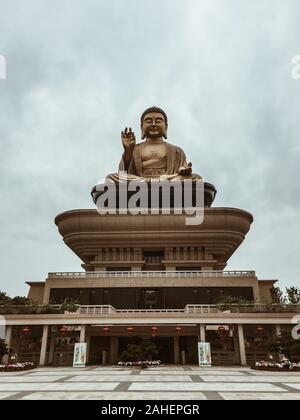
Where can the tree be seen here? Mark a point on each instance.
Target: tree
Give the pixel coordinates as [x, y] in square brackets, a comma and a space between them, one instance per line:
[139, 352]
[226, 303]
[277, 296]
[69, 305]
[20, 301]
[4, 298]
[293, 294]
[3, 349]
[284, 344]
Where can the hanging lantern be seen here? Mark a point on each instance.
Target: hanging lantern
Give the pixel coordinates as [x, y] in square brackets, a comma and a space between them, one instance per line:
[221, 329]
[178, 330]
[259, 329]
[130, 330]
[63, 329]
[26, 330]
[154, 331]
[106, 330]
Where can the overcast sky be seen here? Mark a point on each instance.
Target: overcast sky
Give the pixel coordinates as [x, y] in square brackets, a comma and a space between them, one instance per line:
[78, 71]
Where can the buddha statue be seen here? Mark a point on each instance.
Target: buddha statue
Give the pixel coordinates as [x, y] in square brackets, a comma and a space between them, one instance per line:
[154, 158]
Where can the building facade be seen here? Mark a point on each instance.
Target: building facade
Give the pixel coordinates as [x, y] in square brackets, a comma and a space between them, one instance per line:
[146, 274]
[151, 275]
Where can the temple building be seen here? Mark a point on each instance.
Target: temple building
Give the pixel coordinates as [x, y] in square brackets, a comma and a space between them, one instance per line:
[150, 275]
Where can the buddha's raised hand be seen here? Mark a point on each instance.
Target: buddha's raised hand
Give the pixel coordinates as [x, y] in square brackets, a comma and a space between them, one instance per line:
[128, 140]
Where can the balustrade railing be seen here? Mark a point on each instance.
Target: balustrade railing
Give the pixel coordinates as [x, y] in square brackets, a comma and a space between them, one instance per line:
[149, 274]
[106, 310]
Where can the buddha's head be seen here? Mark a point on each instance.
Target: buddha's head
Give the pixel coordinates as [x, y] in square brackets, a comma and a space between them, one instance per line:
[154, 123]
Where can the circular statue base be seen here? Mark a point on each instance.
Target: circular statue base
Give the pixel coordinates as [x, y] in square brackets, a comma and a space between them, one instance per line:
[209, 192]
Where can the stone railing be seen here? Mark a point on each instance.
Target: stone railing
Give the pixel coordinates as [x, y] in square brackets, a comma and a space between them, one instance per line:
[193, 309]
[107, 309]
[189, 309]
[259, 308]
[149, 274]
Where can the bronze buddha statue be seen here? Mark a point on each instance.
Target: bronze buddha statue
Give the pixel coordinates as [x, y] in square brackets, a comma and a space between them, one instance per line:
[154, 158]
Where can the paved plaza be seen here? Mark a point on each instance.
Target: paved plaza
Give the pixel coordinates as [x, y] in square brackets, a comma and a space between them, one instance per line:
[163, 383]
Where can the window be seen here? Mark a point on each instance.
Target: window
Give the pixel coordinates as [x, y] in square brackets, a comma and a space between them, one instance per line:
[150, 298]
[153, 257]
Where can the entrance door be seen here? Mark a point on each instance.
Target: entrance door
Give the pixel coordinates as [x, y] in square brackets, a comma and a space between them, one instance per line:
[99, 353]
[165, 347]
[188, 345]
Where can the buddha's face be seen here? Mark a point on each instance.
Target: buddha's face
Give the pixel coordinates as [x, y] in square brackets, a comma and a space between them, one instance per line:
[154, 126]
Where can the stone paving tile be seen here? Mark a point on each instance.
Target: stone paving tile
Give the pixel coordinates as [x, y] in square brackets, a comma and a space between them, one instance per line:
[293, 386]
[197, 372]
[2, 374]
[220, 369]
[265, 373]
[130, 378]
[6, 395]
[260, 396]
[30, 379]
[108, 396]
[165, 382]
[82, 373]
[257, 379]
[71, 386]
[218, 387]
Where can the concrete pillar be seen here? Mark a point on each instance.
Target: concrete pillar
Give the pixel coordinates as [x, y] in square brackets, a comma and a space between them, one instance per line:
[176, 350]
[52, 348]
[278, 333]
[236, 345]
[278, 330]
[44, 345]
[88, 340]
[113, 354]
[8, 334]
[202, 333]
[82, 333]
[242, 345]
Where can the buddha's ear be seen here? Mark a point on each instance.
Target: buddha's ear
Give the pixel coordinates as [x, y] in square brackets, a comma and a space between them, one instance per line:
[143, 132]
[166, 132]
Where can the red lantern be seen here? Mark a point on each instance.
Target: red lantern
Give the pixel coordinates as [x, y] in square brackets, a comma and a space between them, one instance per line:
[221, 329]
[178, 330]
[26, 330]
[259, 329]
[106, 330]
[130, 330]
[154, 331]
[63, 329]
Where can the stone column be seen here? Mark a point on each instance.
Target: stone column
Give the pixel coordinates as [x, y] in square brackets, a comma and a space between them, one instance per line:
[51, 348]
[242, 345]
[278, 333]
[235, 344]
[176, 350]
[44, 345]
[113, 350]
[202, 333]
[82, 333]
[8, 334]
[88, 339]
[278, 330]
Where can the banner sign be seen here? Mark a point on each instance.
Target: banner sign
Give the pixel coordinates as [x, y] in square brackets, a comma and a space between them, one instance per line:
[204, 354]
[79, 355]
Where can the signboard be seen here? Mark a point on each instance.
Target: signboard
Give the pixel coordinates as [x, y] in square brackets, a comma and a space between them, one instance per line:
[79, 355]
[204, 354]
